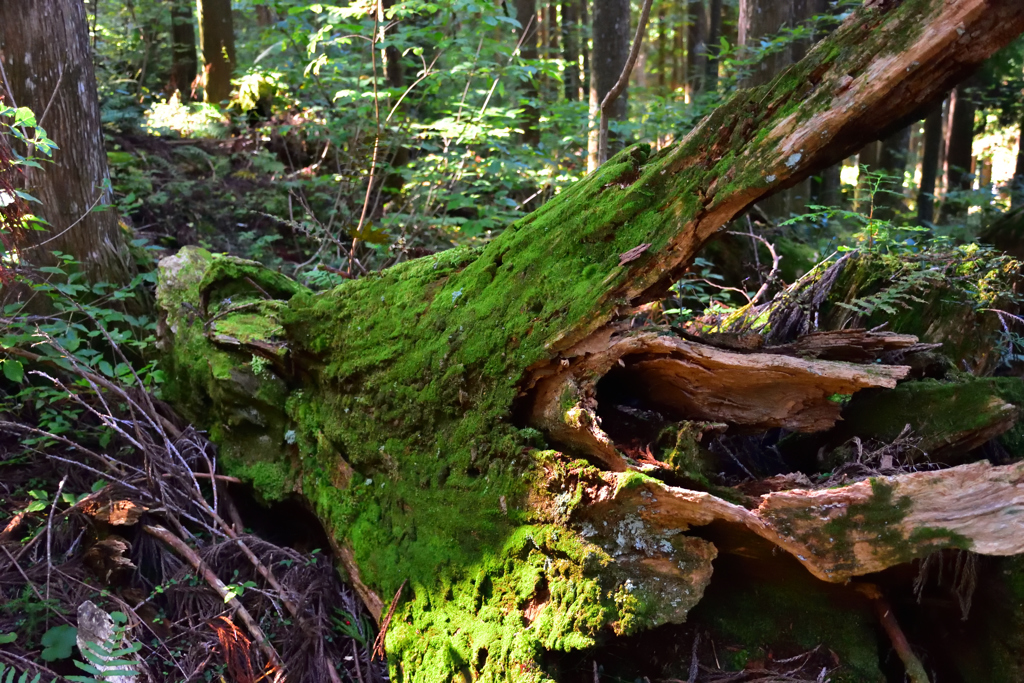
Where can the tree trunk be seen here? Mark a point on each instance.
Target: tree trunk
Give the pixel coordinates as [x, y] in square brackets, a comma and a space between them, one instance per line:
[959, 150]
[678, 49]
[696, 46]
[526, 15]
[892, 162]
[184, 62]
[418, 411]
[662, 47]
[585, 48]
[217, 40]
[48, 67]
[929, 167]
[713, 46]
[571, 50]
[611, 49]
[1017, 184]
[763, 19]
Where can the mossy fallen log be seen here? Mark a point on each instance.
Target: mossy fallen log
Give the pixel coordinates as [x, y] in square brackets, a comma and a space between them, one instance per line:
[397, 405]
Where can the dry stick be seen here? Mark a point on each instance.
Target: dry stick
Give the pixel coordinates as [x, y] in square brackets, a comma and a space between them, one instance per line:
[378, 16]
[620, 85]
[197, 563]
[49, 533]
[915, 670]
[378, 644]
[775, 263]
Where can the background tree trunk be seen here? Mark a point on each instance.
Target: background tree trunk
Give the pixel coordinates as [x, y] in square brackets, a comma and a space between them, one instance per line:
[929, 166]
[397, 403]
[217, 39]
[48, 66]
[611, 49]
[696, 47]
[959, 149]
[713, 44]
[571, 50]
[1017, 198]
[526, 15]
[184, 61]
[892, 162]
[763, 19]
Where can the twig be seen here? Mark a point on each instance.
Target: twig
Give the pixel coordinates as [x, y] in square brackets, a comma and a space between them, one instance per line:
[197, 563]
[378, 16]
[694, 661]
[620, 85]
[775, 264]
[355, 658]
[378, 644]
[49, 533]
[913, 665]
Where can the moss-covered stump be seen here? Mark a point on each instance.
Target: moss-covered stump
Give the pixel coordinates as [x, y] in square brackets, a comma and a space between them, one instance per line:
[394, 404]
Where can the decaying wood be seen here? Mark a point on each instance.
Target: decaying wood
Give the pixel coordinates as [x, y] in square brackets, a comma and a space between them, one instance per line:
[859, 529]
[394, 398]
[692, 381]
[856, 346]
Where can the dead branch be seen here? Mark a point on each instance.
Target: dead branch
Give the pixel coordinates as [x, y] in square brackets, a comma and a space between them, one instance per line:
[197, 563]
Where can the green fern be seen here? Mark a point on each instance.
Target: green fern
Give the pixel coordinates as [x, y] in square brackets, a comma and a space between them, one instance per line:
[7, 675]
[898, 295]
[109, 659]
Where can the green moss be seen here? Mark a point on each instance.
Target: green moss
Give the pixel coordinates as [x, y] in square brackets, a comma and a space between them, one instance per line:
[941, 414]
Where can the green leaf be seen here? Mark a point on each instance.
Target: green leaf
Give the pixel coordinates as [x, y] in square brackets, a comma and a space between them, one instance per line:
[6, 638]
[14, 370]
[57, 642]
[23, 116]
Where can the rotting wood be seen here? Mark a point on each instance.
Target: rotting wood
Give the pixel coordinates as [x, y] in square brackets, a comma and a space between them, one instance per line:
[691, 381]
[850, 531]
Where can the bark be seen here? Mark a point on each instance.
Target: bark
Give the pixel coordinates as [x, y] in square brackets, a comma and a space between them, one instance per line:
[959, 149]
[611, 38]
[929, 167]
[399, 406]
[526, 15]
[217, 40]
[184, 62]
[48, 67]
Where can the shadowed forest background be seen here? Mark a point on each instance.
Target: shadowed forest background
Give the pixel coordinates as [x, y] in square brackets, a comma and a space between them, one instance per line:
[202, 478]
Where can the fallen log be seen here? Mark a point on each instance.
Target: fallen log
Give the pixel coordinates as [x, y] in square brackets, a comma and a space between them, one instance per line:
[398, 405]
